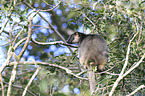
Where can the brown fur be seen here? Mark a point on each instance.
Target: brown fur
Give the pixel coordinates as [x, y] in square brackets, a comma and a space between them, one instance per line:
[92, 52]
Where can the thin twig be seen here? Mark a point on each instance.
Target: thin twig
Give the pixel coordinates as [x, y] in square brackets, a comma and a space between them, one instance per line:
[91, 22]
[7, 19]
[51, 26]
[16, 86]
[51, 8]
[41, 26]
[47, 3]
[21, 41]
[2, 85]
[17, 36]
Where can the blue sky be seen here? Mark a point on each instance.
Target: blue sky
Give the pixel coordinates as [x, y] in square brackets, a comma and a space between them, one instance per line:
[3, 51]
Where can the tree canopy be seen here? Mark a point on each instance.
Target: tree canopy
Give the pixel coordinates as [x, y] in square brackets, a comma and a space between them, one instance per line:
[36, 60]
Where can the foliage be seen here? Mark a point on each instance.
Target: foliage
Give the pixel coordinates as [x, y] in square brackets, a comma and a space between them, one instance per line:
[33, 37]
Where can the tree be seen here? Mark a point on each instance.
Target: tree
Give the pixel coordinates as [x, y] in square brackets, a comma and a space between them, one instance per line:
[38, 61]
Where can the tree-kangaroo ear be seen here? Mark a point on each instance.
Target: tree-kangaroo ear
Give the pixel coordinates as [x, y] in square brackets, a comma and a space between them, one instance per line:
[74, 38]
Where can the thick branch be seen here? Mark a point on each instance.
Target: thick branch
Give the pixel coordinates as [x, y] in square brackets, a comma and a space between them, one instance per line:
[29, 83]
[52, 43]
[137, 64]
[28, 38]
[12, 79]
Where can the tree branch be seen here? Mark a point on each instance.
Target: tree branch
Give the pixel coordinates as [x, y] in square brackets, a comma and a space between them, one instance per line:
[51, 26]
[141, 86]
[125, 64]
[91, 22]
[12, 79]
[7, 60]
[2, 85]
[52, 43]
[137, 64]
[28, 38]
[16, 86]
[54, 65]
[6, 21]
[51, 8]
[32, 78]
[17, 36]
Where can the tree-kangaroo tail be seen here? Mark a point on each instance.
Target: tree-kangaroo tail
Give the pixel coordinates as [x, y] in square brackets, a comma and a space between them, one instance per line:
[92, 80]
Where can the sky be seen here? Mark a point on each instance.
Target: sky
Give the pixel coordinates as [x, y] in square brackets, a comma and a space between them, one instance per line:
[2, 50]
